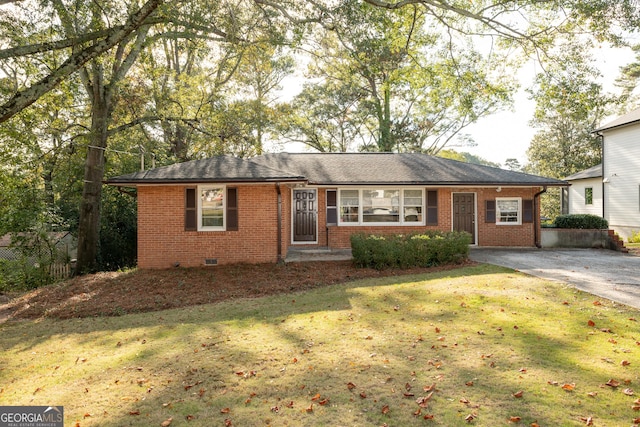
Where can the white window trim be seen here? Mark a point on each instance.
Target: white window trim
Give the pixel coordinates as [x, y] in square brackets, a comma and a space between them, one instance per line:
[400, 223]
[224, 207]
[519, 222]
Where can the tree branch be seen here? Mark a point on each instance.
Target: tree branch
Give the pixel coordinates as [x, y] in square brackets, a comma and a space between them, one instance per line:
[28, 96]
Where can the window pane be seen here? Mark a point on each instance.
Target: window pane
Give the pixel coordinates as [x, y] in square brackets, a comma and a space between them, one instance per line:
[588, 196]
[349, 202]
[212, 207]
[413, 205]
[381, 205]
[508, 210]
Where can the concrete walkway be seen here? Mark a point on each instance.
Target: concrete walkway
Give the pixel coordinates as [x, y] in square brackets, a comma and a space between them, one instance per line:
[601, 272]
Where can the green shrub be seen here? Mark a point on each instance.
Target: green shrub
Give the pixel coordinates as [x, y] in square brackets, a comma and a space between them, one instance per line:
[635, 237]
[581, 221]
[403, 251]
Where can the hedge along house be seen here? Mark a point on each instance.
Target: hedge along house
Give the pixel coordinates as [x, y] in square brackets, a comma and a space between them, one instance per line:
[229, 210]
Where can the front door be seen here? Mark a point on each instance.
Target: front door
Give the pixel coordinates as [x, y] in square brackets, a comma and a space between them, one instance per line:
[305, 209]
[464, 214]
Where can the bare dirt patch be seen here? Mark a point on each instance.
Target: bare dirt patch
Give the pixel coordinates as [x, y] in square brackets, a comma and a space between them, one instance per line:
[118, 293]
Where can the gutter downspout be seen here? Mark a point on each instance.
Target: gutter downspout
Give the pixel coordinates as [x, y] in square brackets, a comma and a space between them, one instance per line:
[280, 260]
[601, 136]
[536, 217]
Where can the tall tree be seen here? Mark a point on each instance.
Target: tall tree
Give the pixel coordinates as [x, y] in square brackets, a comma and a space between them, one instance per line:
[569, 106]
[406, 88]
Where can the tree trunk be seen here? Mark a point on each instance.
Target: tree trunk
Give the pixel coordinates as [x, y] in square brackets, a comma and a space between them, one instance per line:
[89, 224]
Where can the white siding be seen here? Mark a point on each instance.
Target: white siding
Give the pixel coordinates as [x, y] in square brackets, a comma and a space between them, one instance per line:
[621, 169]
[577, 204]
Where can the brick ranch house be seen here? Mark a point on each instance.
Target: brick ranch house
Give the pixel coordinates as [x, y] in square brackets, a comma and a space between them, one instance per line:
[225, 209]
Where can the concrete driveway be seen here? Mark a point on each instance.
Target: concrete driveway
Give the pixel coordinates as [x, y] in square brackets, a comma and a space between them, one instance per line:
[602, 272]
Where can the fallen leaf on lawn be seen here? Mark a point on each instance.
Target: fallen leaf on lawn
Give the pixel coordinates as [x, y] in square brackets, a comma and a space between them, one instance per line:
[428, 388]
[225, 410]
[323, 402]
[588, 421]
[407, 386]
[628, 391]
[636, 420]
[437, 330]
[625, 363]
[227, 422]
[514, 419]
[464, 400]
[612, 383]
[469, 383]
[592, 394]
[363, 395]
[166, 423]
[518, 394]
[428, 416]
[612, 341]
[552, 382]
[568, 387]
[290, 404]
[316, 397]
[351, 386]
[275, 409]
[591, 323]
[636, 407]
[417, 412]
[134, 412]
[385, 409]
[422, 401]
[606, 330]
[469, 418]
[535, 425]
[408, 394]
[597, 303]
[523, 370]
[190, 418]
[87, 415]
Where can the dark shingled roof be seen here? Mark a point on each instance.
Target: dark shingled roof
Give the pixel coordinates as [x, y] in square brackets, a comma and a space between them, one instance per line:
[592, 172]
[214, 169]
[394, 168]
[337, 169]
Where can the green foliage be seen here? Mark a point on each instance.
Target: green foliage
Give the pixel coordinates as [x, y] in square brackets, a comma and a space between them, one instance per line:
[581, 221]
[118, 231]
[635, 237]
[403, 251]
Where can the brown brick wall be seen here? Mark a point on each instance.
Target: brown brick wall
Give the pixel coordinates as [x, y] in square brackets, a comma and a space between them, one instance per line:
[162, 241]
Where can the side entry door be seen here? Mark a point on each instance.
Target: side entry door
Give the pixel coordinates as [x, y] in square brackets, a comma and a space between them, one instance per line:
[464, 214]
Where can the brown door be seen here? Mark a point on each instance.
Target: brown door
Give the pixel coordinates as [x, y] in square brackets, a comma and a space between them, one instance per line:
[305, 209]
[464, 215]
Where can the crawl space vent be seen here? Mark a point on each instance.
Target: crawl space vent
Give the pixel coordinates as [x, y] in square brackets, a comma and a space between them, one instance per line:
[211, 261]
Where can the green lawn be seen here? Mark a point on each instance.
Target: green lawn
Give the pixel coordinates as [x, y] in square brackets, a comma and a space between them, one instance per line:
[480, 343]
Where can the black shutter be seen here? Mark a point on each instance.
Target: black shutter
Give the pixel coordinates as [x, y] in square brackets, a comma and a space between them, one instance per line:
[232, 209]
[190, 210]
[432, 207]
[490, 211]
[332, 207]
[527, 211]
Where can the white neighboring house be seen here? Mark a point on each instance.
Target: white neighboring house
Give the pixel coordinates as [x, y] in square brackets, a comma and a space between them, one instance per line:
[620, 176]
[585, 194]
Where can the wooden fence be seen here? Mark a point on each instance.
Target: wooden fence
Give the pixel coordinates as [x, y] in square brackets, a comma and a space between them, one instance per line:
[60, 270]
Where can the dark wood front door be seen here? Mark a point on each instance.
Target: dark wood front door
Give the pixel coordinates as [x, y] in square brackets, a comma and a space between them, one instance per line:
[305, 209]
[464, 214]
